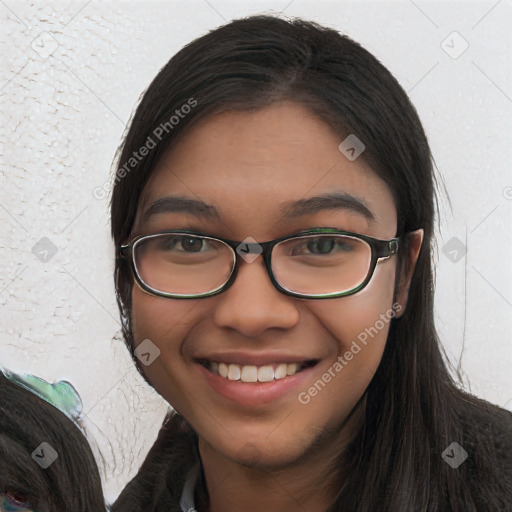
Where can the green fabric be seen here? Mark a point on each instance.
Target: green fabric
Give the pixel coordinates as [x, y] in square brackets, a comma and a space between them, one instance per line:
[61, 394]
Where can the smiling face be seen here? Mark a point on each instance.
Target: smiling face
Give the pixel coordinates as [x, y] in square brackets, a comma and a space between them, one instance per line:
[248, 167]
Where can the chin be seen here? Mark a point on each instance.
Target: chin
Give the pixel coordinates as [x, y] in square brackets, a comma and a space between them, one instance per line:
[259, 452]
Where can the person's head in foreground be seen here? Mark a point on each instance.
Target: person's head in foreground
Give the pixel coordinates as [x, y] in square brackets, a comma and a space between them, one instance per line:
[46, 463]
[308, 377]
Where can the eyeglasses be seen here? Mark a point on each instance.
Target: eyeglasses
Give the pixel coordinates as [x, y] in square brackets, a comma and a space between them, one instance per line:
[319, 263]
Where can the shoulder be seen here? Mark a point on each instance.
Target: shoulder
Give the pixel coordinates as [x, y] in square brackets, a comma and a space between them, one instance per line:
[158, 485]
[487, 425]
[487, 444]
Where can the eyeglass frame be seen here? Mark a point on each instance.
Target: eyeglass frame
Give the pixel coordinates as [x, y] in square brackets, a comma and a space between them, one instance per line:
[380, 249]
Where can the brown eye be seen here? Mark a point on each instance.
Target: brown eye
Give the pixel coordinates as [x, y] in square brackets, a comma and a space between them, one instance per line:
[191, 244]
[321, 246]
[186, 244]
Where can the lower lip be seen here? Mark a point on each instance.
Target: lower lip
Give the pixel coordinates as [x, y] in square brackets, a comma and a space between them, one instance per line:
[250, 394]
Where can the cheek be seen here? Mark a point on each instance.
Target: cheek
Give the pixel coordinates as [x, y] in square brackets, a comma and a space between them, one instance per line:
[165, 323]
[358, 326]
[360, 323]
[156, 315]
[345, 318]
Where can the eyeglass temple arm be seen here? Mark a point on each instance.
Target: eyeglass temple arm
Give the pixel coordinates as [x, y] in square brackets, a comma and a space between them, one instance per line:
[386, 248]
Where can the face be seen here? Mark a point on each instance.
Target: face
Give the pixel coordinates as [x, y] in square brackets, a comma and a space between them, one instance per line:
[248, 166]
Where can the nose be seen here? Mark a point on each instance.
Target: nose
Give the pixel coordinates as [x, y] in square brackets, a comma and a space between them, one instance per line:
[252, 305]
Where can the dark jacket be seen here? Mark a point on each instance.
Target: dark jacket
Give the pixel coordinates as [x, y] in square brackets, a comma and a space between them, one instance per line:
[158, 489]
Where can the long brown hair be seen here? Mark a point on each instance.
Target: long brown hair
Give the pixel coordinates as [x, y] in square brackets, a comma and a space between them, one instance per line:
[414, 410]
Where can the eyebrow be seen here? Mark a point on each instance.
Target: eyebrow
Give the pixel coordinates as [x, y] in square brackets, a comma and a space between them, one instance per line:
[332, 201]
[291, 209]
[177, 204]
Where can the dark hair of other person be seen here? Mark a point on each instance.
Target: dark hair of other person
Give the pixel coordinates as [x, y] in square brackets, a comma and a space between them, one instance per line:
[69, 484]
[414, 408]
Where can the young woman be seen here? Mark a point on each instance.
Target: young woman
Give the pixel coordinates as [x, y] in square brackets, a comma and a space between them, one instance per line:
[46, 464]
[273, 215]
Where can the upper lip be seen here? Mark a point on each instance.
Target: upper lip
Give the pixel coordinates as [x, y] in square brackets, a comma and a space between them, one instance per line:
[254, 358]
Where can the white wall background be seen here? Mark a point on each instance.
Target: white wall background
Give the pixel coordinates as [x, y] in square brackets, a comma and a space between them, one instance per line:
[72, 72]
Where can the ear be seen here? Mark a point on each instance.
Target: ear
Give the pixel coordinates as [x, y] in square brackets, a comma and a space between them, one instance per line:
[406, 269]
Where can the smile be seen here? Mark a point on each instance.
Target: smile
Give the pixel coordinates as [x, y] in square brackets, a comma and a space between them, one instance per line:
[254, 380]
[253, 373]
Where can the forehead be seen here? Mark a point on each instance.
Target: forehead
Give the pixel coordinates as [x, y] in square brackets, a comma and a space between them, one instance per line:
[248, 165]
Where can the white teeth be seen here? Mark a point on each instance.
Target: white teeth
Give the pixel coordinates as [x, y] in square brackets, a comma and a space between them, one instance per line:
[234, 372]
[251, 373]
[280, 372]
[223, 370]
[265, 373]
[291, 368]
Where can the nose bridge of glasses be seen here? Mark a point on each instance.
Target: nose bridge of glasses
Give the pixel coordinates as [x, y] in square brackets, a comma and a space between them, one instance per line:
[250, 251]
[249, 248]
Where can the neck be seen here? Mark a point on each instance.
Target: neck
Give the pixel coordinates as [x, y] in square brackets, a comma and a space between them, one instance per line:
[309, 484]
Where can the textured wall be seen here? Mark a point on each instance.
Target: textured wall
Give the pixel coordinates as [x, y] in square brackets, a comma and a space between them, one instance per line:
[71, 74]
